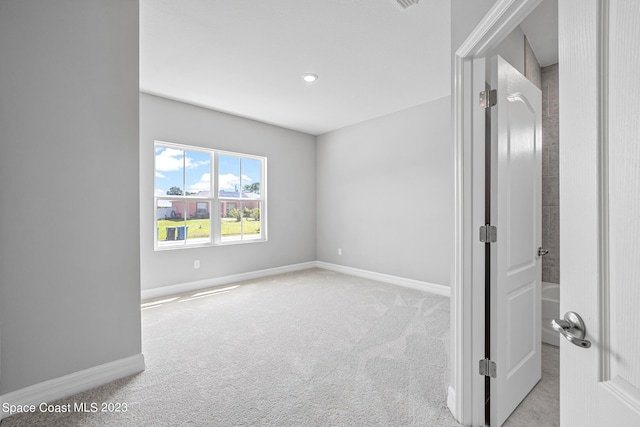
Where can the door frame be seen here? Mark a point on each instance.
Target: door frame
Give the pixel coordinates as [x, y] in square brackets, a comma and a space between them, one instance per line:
[465, 397]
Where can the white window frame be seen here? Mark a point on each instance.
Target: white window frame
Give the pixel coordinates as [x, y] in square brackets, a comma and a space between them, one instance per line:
[214, 200]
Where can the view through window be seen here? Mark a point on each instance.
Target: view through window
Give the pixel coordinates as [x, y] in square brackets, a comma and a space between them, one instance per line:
[205, 196]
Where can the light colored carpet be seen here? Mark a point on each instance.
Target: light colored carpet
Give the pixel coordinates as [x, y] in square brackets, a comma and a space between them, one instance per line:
[312, 348]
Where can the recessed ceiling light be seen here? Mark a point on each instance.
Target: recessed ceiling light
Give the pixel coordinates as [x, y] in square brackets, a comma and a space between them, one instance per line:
[309, 77]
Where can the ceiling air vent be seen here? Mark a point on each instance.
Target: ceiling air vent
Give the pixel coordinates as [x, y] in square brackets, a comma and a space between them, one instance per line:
[406, 3]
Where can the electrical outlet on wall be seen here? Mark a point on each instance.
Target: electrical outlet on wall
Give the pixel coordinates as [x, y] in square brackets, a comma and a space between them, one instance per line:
[339, 251]
[196, 263]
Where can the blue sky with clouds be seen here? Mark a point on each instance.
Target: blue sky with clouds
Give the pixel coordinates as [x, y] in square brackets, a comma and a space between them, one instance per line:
[172, 163]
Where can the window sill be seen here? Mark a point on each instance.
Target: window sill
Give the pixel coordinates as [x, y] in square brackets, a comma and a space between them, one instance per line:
[170, 246]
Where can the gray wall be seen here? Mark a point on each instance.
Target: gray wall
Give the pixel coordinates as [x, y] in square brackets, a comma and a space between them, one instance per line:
[550, 174]
[465, 15]
[385, 194]
[512, 50]
[532, 68]
[516, 50]
[69, 230]
[291, 192]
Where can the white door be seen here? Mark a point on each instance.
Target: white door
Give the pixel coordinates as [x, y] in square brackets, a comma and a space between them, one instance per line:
[600, 210]
[516, 211]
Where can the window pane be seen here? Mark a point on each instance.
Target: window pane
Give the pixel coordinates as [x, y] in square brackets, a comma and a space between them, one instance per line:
[228, 176]
[183, 176]
[198, 222]
[240, 220]
[230, 221]
[198, 173]
[250, 178]
[251, 220]
[169, 219]
[169, 171]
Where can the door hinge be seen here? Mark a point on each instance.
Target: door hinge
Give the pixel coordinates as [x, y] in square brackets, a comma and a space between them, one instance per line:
[488, 98]
[488, 368]
[488, 234]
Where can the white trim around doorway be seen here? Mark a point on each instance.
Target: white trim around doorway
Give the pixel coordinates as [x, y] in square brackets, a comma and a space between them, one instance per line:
[466, 391]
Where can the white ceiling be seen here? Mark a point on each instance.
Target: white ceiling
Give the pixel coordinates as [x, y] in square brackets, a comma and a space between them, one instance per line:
[246, 57]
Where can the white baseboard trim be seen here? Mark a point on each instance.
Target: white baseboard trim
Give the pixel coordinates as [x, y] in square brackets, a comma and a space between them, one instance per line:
[58, 388]
[164, 291]
[387, 278]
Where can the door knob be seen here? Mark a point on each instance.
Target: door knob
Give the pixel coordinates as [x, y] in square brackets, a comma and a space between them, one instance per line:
[572, 328]
[542, 252]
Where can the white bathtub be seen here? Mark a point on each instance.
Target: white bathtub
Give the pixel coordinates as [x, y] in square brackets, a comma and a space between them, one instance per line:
[550, 310]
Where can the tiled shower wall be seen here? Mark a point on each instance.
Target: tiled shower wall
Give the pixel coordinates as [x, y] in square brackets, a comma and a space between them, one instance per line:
[546, 78]
[550, 175]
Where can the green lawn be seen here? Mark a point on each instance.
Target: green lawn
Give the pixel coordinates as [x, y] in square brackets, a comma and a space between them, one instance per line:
[199, 228]
[231, 227]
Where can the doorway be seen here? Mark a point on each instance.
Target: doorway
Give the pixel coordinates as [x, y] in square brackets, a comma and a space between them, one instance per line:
[466, 395]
